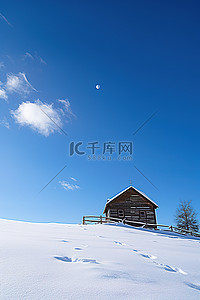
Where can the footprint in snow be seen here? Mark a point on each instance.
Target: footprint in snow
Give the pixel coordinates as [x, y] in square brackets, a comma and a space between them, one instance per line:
[172, 269]
[76, 260]
[163, 266]
[63, 258]
[119, 243]
[193, 286]
[77, 248]
[86, 260]
[148, 256]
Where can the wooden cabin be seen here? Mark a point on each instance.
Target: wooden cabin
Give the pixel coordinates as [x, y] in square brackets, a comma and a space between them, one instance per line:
[132, 205]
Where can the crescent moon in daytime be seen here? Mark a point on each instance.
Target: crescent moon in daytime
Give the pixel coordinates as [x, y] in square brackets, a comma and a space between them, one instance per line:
[97, 86]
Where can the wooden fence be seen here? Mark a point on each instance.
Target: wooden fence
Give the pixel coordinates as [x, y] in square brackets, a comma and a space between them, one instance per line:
[101, 220]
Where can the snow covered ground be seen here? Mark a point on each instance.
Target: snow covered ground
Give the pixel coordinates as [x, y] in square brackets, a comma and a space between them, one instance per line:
[57, 261]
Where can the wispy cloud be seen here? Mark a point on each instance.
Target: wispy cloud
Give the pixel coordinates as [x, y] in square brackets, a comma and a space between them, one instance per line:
[68, 186]
[10, 58]
[28, 55]
[42, 61]
[67, 107]
[32, 115]
[18, 83]
[72, 178]
[34, 57]
[5, 20]
[5, 123]
[3, 94]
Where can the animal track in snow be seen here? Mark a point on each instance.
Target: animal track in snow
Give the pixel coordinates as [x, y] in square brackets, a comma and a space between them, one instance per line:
[77, 248]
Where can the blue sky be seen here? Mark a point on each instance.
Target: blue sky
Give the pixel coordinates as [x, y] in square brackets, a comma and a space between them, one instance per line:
[145, 56]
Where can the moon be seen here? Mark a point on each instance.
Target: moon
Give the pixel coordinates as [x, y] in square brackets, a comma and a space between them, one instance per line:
[97, 86]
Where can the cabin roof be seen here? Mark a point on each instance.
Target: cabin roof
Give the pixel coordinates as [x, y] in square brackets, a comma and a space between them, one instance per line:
[139, 192]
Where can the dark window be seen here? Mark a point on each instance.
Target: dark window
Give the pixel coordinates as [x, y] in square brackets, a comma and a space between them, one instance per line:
[142, 214]
[120, 213]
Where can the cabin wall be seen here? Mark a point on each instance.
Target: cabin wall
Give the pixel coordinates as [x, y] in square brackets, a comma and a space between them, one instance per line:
[133, 207]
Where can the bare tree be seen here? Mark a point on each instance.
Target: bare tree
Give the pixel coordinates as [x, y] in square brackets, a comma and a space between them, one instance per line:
[186, 216]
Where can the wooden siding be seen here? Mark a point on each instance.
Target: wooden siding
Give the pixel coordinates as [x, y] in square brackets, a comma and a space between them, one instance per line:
[132, 204]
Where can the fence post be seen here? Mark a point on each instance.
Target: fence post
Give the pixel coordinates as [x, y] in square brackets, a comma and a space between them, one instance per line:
[83, 220]
[171, 228]
[100, 219]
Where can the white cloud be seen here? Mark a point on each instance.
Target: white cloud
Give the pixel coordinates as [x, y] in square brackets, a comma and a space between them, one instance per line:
[68, 186]
[67, 107]
[72, 178]
[3, 94]
[5, 123]
[18, 83]
[41, 117]
[4, 19]
[15, 83]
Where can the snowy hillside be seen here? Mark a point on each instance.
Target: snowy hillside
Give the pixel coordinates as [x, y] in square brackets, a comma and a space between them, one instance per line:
[56, 261]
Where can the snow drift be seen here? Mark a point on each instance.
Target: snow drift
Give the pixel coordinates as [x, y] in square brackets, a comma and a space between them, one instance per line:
[58, 261]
